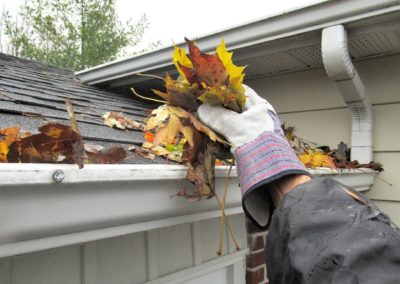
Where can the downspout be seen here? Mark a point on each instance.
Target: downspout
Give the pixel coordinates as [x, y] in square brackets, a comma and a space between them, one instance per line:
[342, 72]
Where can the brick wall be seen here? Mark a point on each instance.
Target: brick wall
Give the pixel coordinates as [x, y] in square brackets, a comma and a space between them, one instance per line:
[256, 271]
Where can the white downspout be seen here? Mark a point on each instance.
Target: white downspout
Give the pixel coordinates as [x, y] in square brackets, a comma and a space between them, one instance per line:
[342, 72]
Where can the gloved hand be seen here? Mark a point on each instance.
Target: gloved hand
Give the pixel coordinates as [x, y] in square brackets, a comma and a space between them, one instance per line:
[262, 153]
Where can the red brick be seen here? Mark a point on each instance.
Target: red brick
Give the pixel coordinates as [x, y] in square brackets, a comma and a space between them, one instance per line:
[256, 259]
[256, 242]
[255, 277]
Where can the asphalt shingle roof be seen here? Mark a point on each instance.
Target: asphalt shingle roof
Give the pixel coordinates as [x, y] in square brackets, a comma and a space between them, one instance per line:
[32, 94]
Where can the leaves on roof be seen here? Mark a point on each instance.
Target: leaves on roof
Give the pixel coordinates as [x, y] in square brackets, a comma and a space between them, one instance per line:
[118, 120]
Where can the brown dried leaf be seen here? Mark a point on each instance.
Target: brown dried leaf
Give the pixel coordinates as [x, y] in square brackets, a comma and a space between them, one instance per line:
[54, 144]
[201, 171]
[72, 117]
[207, 67]
[145, 153]
[180, 93]
[113, 155]
[118, 120]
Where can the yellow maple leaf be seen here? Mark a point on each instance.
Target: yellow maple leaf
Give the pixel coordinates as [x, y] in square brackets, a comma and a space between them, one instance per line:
[317, 159]
[179, 56]
[235, 73]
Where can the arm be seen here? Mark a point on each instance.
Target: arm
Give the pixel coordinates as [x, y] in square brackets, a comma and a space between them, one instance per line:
[320, 234]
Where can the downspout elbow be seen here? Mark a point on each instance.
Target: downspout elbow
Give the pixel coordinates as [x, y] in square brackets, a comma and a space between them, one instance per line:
[341, 71]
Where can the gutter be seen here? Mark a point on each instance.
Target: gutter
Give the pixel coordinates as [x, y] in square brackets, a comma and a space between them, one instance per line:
[344, 75]
[308, 19]
[40, 212]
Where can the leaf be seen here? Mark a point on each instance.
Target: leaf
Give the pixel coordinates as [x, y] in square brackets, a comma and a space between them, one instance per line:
[201, 171]
[181, 113]
[145, 153]
[317, 159]
[222, 96]
[54, 144]
[235, 73]
[113, 155]
[180, 94]
[10, 136]
[207, 67]
[91, 148]
[149, 137]
[71, 114]
[183, 64]
[118, 120]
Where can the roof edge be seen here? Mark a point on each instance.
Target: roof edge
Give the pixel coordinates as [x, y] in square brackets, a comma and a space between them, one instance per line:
[295, 22]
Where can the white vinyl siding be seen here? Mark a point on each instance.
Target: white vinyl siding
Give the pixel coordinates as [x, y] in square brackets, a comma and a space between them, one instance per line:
[136, 258]
[309, 101]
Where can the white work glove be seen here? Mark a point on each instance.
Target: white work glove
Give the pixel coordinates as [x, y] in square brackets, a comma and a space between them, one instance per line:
[240, 128]
[260, 148]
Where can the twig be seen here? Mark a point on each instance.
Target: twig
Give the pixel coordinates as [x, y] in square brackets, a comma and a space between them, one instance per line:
[150, 75]
[221, 226]
[377, 177]
[227, 223]
[146, 98]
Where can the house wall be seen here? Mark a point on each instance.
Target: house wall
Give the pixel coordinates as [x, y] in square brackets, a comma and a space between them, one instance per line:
[309, 101]
[179, 254]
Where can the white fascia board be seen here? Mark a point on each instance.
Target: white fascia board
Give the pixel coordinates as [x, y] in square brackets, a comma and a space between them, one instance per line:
[296, 22]
[104, 201]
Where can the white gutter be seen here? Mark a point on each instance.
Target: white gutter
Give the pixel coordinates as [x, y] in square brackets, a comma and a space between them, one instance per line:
[104, 201]
[342, 72]
[292, 23]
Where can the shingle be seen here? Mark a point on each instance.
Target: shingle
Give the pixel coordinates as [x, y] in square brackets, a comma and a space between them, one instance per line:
[32, 93]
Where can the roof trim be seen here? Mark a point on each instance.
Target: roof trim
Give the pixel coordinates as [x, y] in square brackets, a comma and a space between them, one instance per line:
[295, 22]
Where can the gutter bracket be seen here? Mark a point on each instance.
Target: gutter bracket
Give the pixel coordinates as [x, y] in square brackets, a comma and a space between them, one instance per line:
[342, 72]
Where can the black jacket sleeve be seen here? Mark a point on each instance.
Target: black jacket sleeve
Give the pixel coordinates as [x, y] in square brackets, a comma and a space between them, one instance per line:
[320, 234]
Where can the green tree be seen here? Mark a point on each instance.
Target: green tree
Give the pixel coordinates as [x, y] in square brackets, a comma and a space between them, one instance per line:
[76, 34]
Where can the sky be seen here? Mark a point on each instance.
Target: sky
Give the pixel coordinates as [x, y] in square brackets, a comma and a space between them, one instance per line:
[171, 21]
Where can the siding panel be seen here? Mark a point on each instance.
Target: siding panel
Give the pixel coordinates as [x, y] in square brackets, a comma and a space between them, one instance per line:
[61, 266]
[392, 208]
[5, 269]
[121, 260]
[381, 190]
[387, 130]
[174, 248]
[209, 231]
[237, 223]
[328, 127]
[312, 89]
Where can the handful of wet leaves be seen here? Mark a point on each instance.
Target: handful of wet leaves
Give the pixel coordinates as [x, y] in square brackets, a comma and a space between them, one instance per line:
[173, 130]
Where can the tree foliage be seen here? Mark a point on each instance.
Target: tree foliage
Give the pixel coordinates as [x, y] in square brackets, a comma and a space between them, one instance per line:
[71, 33]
